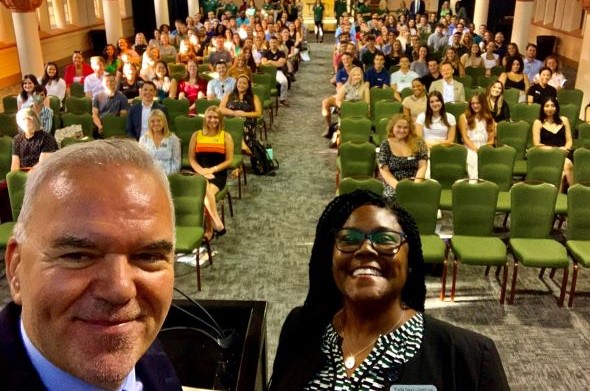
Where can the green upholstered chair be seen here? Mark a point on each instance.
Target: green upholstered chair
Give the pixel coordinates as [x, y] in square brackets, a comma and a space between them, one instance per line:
[10, 104]
[379, 94]
[348, 185]
[511, 96]
[355, 130]
[546, 165]
[114, 126]
[84, 120]
[406, 92]
[578, 231]
[235, 127]
[266, 82]
[78, 105]
[421, 200]
[188, 195]
[516, 134]
[457, 108]
[448, 164]
[573, 96]
[474, 210]
[571, 112]
[466, 80]
[582, 166]
[77, 90]
[176, 108]
[386, 109]
[173, 67]
[584, 135]
[267, 106]
[495, 165]
[16, 181]
[8, 126]
[220, 197]
[202, 104]
[354, 109]
[185, 128]
[54, 104]
[5, 155]
[528, 112]
[533, 207]
[475, 72]
[274, 91]
[380, 131]
[497, 70]
[355, 160]
[486, 81]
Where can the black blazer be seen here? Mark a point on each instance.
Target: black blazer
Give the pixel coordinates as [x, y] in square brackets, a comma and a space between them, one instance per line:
[411, 4]
[18, 373]
[134, 118]
[449, 358]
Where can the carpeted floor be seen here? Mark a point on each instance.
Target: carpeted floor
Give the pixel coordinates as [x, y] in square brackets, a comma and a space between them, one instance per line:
[265, 253]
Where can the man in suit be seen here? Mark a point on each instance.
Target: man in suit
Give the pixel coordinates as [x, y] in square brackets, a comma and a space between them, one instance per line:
[417, 7]
[90, 268]
[137, 120]
[451, 89]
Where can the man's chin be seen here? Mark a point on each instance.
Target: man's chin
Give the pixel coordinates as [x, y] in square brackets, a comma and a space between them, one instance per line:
[106, 371]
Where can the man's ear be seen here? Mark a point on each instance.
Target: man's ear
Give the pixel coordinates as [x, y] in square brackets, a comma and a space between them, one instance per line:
[12, 259]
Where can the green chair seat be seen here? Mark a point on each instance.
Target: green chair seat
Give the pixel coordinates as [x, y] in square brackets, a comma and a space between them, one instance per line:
[5, 233]
[469, 250]
[545, 253]
[503, 204]
[188, 239]
[580, 251]
[433, 249]
[446, 199]
[561, 204]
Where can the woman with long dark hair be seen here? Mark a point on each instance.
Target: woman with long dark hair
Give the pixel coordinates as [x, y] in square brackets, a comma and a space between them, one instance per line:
[25, 97]
[55, 85]
[495, 100]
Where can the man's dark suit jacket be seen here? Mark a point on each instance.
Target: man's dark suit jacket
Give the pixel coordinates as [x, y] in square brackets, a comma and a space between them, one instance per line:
[134, 118]
[411, 4]
[18, 373]
[449, 358]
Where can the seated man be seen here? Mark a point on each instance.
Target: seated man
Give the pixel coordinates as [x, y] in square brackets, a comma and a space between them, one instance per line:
[276, 57]
[377, 75]
[403, 77]
[222, 84]
[90, 294]
[93, 83]
[45, 113]
[220, 53]
[137, 120]
[110, 101]
[451, 89]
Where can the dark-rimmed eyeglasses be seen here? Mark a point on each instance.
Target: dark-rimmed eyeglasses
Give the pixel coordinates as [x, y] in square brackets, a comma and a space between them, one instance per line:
[349, 240]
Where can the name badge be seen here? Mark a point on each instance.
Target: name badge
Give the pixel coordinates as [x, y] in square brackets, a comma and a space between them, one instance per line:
[412, 387]
[411, 158]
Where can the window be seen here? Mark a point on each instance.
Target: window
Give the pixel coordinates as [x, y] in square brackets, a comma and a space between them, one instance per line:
[51, 11]
[67, 13]
[98, 9]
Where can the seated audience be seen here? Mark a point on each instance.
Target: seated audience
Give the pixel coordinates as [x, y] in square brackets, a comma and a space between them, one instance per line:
[130, 83]
[192, 87]
[110, 101]
[55, 85]
[166, 85]
[477, 128]
[513, 77]
[495, 101]
[415, 103]
[137, 120]
[93, 82]
[222, 84]
[112, 62]
[377, 75]
[473, 57]
[278, 58]
[33, 144]
[45, 113]
[451, 89]
[490, 58]
[433, 73]
[25, 98]
[403, 77]
[162, 145]
[557, 80]
[77, 71]
[531, 65]
[541, 90]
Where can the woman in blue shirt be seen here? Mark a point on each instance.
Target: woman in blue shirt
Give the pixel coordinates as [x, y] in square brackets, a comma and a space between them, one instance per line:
[160, 143]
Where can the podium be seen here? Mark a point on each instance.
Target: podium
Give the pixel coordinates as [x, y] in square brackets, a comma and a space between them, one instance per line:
[201, 362]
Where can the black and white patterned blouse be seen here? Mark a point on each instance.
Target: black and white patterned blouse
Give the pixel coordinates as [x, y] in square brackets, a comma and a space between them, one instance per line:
[381, 367]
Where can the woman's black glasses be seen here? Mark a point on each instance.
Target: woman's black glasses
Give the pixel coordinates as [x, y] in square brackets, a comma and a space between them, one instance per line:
[349, 240]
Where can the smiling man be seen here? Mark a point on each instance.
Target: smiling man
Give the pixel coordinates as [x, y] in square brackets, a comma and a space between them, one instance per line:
[90, 269]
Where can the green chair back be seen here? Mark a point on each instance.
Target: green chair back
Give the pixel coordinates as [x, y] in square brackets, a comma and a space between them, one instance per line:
[582, 166]
[235, 127]
[175, 107]
[269, 70]
[516, 134]
[380, 131]
[77, 90]
[571, 112]
[474, 207]
[448, 164]
[496, 165]
[421, 199]
[54, 104]
[357, 160]
[475, 72]
[571, 96]
[511, 96]
[10, 104]
[578, 206]
[485, 81]
[167, 58]
[5, 155]
[355, 130]
[188, 195]
[497, 70]
[348, 185]
[78, 105]
[176, 68]
[354, 109]
[584, 135]
[466, 80]
[84, 119]
[202, 104]
[456, 108]
[8, 126]
[533, 206]
[386, 109]
[545, 165]
[16, 181]
[379, 94]
[406, 92]
[185, 128]
[114, 126]
[263, 79]
[528, 112]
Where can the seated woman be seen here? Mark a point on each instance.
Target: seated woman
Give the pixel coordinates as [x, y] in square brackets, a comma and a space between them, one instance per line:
[402, 155]
[160, 143]
[32, 145]
[185, 52]
[415, 103]
[511, 51]
[165, 85]
[25, 97]
[132, 55]
[452, 57]
[557, 77]
[495, 100]
[355, 89]
[211, 151]
[242, 103]
[473, 57]
[112, 62]
[55, 85]
[140, 44]
[239, 67]
[363, 325]
[513, 76]
[553, 131]
[77, 71]
[541, 90]
[130, 82]
[477, 128]
[490, 57]
[192, 87]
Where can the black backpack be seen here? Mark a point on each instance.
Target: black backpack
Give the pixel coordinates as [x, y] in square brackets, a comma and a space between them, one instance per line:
[260, 160]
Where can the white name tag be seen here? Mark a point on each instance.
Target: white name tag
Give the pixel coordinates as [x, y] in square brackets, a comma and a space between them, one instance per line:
[412, 387]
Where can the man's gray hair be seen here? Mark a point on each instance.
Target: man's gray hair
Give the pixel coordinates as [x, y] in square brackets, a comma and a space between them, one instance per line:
[93, 154]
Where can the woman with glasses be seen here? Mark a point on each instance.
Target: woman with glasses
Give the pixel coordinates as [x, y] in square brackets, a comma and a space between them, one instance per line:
[362, 325]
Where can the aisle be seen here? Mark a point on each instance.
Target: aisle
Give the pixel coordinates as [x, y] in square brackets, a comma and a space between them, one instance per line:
[265, 253]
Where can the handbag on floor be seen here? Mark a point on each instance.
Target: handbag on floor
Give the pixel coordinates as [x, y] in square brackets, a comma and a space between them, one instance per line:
[262, 163]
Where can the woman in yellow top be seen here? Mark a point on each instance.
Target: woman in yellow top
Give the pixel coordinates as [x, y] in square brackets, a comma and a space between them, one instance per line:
[211, 151]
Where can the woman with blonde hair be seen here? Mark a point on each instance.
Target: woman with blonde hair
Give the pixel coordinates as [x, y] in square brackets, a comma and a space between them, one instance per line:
[162, 145]
[211, 151]
[402, 155]
[240, 67]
